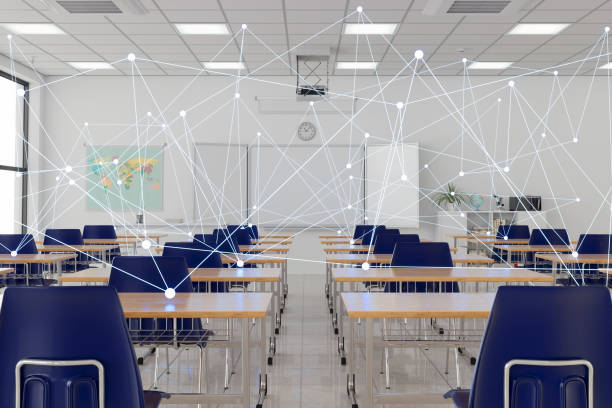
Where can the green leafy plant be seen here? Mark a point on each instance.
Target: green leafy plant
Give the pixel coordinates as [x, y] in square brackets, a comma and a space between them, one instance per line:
[450, 196]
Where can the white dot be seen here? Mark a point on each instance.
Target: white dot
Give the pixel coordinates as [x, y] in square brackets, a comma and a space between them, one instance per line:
[311, 103]
[575, 254]
[399, 105]
[607, 29]
[244, 26]
[349, 206]
[365, 266]
[366, 135]
[498, 99]
[148, 113]
[418, 54]
[57, 178]
[236, 95]
[18, 174]
[20, 92]
[462, 214]
[506, 169]
[543, 134]
[556, 73]
[13, 253]
[453, 193]
[254, 207]
[182, 113]
[240, 263]
[404, 177]
[359, 9]
[505, 237]
[170, 293]
[339, 232]
[115, 161]
[511, 84]
[146, 244]
[86, 124]
[71, 182]
[350, 177]
[189, 233]
[352, 242]
[119, 182]
[8, 36]
[427, 166]
[68, 169]
[575, 140]
[258, 133]
[461, 173]
[464, 60]
[577, 199]
[131, 57]
[365, 218]
[250, 225]
[488, 232]
[163, 125]
[349, 165]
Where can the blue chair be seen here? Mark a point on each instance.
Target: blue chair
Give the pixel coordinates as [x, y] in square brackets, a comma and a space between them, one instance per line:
[241, 234]
[253, 231]
[512, 231]
[225, 242]
[593, 244]
[385, 242]
[544, 325]
[67, 236]
[102, 232]
[549, 237]
[22, 244]
[423, 254]
[197, 257]
[360, 230]
[206, 240]
[68, 324]
[391, 231]
[369, 236]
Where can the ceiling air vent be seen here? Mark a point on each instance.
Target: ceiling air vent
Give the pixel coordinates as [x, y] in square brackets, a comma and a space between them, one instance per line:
[477, 7]
[90, 7]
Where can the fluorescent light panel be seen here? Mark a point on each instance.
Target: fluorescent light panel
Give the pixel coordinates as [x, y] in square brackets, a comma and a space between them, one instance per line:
[86, 65]
[370, 29]
[202, 29]
[223, 65]
[356, 65]
[606, 66]
[489, 65]
[33, 29]
[538, 29]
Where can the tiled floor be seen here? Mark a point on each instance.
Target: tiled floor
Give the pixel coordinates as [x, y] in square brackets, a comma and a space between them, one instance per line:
[307, 370]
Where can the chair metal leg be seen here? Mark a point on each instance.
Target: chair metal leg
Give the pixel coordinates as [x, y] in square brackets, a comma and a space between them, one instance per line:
[168, 360]
[155, 370]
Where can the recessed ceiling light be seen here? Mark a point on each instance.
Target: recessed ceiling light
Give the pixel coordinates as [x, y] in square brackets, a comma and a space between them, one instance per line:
[606, 66]
[223, 65]
[538, 29]
[33, 29]
[489, 65]
[85, 65]
[381, 29]
[202, 29]
[356, 65]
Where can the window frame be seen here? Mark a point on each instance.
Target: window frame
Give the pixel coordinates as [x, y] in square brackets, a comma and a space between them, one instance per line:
[24, 152]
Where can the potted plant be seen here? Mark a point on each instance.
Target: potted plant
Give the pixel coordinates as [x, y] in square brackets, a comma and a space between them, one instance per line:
[449, 198]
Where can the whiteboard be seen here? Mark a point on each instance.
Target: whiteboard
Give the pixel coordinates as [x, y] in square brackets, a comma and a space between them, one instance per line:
[306, 186]
[389, 199]
[220, 184]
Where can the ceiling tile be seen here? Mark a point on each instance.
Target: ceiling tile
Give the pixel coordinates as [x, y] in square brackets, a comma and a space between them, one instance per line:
[500, 28]
[188, 4]
[195, 16]
[315, 5]
[89, 28]
[249, 4]
[21, 16]
[554, 16]
[156, 39]
[156, 29]
[105, 40]
[254, 16]
[315, 16]
[436, 29]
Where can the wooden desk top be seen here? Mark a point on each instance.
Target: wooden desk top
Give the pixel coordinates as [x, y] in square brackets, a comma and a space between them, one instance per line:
[100, 275]
[534, 248]
[235, 274]
[386, 258]
[35, 258]
[581, 258]
[109, 241]
[271, 241]
[251, 258]
[4, 271]
[75, 248]
[470, 236]
[493, 241]
[439, 275]
[195, 305]
[334, 236]
[275, 236]
[347, 248]
[264, 248]
[340, 241]
[418, 305]
[141, 236]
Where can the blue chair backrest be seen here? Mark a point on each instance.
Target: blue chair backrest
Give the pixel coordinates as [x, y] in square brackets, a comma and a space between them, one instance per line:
[195, 255]
[67, 324]
[242, 235]
[99, 232]
[550, 324]
[253, 231]
[385, 243]
[549, 237]
[369, 236]
[360, 230]
[392, 231]
[594, 244]
[410, 254]
[224, 241]
[63, 236]
[513, 231]
[22, 243]
[206, 240]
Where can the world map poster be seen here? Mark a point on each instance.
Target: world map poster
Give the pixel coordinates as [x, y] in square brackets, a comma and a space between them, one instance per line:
[124, 177]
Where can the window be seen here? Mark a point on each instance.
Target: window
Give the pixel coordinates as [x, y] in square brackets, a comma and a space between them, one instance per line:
[13, 153]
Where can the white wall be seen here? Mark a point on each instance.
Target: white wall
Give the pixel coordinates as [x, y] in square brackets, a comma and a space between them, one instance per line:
[561, 171]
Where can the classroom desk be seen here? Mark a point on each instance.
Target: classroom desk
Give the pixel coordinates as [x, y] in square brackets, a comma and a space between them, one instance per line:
[4, 271]
[85, 249]
[271, 242]
[339, 248]
[371, 306]
[54, 260]
[568, 259]
[156, 237]
[467, 236]
[340, 241]
[263, 248]
[334, 236]
[113, 241]
[276, 236]
[243, 306]
[523, 250]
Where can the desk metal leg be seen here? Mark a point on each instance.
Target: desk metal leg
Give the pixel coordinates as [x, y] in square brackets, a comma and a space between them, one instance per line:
[350, 377]
[369, 374]
[327, 278]
[263, 375]
[245, 364]
[341, 344]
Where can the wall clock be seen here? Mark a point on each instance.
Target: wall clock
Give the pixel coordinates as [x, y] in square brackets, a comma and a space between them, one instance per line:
[306, 131]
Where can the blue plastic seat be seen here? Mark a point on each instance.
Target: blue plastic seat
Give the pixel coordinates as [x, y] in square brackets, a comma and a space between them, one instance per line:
[592, 244]
[225, 242]
[549, 237]
[369, 236]
[511, 231]
[241, 234]
[544, 324]
[360, 230]
[102, 232]
[206, 240]
[61, 324]
[253, 231]
[422, 254]
[197, 257]
[154, 274]
[67, 236]
[22, 244]
[385, 242]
